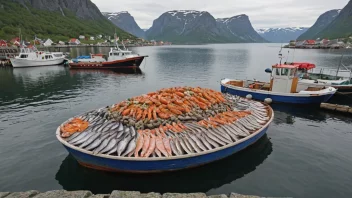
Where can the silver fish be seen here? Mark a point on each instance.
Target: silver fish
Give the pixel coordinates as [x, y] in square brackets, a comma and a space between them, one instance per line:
[112, 143]
[197, 141]
[238, 125]
[120, 128]
[121, 146]
[220, 136]
[205, 142]
[90, 140]
[173, 148]
[230, 133]
[130, 147]
[94, 145]
[103, 145]
[183, 146]
[85, 138]
[223, 133]
[178, 146]
[119, 134]
[115, 126]
[72, 136]
[212, 142]
[133, 131]
[80, 136]
[193, 144]
[215, 138]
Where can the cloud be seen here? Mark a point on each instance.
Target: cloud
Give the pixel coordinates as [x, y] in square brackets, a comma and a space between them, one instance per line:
[262, 13]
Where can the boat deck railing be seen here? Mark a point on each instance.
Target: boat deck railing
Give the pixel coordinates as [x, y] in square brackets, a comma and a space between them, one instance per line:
[344, 73]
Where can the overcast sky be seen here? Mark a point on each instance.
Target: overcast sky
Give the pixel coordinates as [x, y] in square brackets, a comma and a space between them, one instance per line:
[262, 13]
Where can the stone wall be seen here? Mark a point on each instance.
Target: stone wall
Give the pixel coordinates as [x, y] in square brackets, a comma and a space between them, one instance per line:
[114, 194]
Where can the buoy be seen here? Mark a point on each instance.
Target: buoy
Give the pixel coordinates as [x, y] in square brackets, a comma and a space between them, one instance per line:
[249, 96]
[268, 100]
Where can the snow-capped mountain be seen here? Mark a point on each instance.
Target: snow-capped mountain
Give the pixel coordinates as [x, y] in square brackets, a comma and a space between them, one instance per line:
[191, 26]
[125, 21]
[281, 35]
[238, 29]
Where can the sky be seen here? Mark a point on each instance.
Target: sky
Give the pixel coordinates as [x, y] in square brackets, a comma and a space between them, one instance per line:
[262, 13]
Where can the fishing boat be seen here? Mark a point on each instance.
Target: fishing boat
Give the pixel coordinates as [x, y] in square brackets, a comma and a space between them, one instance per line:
[282, 88]
[31, 57]
[196, 142]
[117, 59]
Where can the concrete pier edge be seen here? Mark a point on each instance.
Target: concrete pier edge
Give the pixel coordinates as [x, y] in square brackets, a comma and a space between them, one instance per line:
[114, 194]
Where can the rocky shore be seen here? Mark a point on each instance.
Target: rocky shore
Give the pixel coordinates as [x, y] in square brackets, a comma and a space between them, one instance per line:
[114, 194]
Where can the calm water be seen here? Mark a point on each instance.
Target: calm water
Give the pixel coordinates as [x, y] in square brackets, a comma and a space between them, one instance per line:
[306, 152]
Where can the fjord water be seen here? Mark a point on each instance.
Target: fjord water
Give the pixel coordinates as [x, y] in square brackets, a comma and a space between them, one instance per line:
[306, 152]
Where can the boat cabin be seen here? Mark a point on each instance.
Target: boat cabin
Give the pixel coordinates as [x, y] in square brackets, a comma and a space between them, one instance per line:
[119, 54]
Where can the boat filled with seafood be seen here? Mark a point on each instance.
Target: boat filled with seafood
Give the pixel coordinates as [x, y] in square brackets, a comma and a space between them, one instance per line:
[170, 129]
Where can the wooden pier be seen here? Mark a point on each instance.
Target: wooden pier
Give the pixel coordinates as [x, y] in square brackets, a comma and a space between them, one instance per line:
[336, 107]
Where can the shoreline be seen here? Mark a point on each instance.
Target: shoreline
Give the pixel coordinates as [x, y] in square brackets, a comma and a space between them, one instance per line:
[114, 194]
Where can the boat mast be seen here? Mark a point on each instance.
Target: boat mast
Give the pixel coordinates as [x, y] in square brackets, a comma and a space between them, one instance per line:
[339, 67]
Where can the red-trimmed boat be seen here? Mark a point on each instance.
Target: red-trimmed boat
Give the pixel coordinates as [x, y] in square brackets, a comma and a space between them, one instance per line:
[117, 59]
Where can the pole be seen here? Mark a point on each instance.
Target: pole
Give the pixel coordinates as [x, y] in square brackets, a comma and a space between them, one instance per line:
[339, 67]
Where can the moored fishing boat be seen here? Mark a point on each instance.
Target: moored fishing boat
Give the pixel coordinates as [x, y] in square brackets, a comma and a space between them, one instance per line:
[282, 87]
[171, 129]
[117, 59]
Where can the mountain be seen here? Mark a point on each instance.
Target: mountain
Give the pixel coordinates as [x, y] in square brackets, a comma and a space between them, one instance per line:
[341, 26]
[323, 22]
[126, 22]
[185, 26]
[238, 29]
[281, 35]
[190, 26]
[55, 19]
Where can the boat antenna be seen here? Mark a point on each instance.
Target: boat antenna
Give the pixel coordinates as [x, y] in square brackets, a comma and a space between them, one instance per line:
[294, 49]
[339, 67]
[280, 54]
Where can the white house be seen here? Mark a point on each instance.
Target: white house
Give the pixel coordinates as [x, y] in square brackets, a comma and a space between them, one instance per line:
[100, 36]
[92, 38]
[81, 37]
[61, 43]
[74, 41]
[48, 42]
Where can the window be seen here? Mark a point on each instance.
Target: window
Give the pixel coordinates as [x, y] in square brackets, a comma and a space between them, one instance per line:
[284, 71]
[24, 56]
[50, 57]
[123, 54]
[116, 54]
[277, 71]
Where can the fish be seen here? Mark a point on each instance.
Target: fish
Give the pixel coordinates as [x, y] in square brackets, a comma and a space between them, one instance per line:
[230, 133]
[85, 138]
[197, 141]
[80, 136]
[210, 141]
[184, 146]
[222, 133]
[140, 141]
[119, 134]
[205, 142]
[157, 152]
[112, 143]
[167, 145]
[90, 140]
[160, 146]
[215, 138]
[237, 131]
[238, 125]
[133, 131]
[115, 125]
[113, 150]
[178, 146]
[220, 136]
[122, 145]
[102, 145]
[130, 147]
[151, 146]
[145, 145]
[94, 145]
[72, 136]
[193, 144]
[120, 128]
[173, 148]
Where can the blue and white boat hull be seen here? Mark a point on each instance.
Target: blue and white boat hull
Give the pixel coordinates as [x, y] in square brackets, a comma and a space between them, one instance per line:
[149, 165]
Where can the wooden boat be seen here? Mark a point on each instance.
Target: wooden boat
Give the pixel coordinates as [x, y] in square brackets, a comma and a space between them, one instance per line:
[149, 165]
[282, 88]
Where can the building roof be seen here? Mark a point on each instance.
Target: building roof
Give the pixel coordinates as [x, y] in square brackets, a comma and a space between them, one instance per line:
[310, 41]
[73, 40]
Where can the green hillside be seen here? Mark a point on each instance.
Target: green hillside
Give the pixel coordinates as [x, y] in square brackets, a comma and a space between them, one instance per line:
[46, 24]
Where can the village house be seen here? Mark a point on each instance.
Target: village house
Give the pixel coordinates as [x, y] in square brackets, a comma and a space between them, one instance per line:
[81, 37]
[309, 42]
[92, 38]
[48, 42]
[74, 41]
[61, 43]
[3, 43]
[100, 36]
[15, 41]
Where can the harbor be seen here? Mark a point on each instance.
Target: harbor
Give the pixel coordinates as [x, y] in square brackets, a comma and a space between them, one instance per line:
[38, 100]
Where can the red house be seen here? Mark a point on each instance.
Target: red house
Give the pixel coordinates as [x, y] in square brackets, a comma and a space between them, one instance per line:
[3, 43]
[309, 42]
[74, 41]
[15, 41]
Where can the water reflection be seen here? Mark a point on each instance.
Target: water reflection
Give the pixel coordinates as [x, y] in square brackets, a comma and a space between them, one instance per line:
[72, 176]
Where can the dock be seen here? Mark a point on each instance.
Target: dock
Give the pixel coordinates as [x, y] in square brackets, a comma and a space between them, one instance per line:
[336, 107]
[114, 194]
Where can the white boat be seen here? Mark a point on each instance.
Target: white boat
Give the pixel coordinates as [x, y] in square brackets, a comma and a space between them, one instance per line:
[29, 57]
[282, 88]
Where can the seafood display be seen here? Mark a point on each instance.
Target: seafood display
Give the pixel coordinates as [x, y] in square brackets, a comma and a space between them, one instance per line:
[170, 122]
